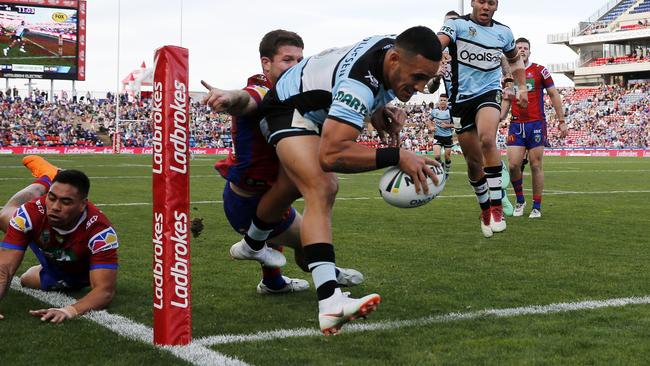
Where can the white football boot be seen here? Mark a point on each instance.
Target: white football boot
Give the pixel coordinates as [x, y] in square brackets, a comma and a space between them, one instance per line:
[535, 214]
[349, 277]
[519, 209]
[485, 218]
[339, 309]
[292, 285]
[267, 256]
[498, 220]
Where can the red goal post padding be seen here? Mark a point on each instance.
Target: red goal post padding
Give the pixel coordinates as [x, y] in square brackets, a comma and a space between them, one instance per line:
[171, 197]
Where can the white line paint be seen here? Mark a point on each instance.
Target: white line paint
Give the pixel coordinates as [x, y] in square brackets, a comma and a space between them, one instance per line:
[341, 177]
[451, 317]
[551, 193]
[194, 353]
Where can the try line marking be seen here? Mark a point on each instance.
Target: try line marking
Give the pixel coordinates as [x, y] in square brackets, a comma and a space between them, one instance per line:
[198, 353]
[428, 320]
[194, 353]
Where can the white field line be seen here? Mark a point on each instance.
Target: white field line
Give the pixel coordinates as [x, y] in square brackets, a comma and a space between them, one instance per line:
[194, 353]
[548, 193]
[341, 177]
[551, 193]
[428, 320]
[554, 193]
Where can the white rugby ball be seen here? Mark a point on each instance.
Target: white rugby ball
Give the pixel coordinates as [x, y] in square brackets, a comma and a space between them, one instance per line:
[397, 188]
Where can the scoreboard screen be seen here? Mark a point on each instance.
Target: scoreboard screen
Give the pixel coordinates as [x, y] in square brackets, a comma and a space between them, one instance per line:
[42, 41]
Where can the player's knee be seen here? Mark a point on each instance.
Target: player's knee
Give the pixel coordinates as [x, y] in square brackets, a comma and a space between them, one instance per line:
[31, 278]
[324, 188]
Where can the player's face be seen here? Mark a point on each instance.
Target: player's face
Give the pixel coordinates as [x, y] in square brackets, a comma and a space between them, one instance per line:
[64, 205]
[286, 57]
[442, 103]
[483, 10]
[410, 73]
[524, 51]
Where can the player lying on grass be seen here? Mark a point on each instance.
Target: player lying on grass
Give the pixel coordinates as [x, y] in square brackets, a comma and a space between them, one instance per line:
[73, 241]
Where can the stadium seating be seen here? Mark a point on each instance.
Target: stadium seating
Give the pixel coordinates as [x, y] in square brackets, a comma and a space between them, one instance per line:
[606, 116]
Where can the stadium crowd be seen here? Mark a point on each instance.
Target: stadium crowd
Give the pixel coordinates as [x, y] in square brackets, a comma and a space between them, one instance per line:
[603, 117]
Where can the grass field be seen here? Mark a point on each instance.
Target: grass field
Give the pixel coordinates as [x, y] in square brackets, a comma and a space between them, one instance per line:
[433, 268]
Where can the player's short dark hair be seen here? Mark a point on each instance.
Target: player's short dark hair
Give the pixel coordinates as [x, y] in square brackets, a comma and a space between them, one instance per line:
[443, 95]
[452, 13]
[522, 40]
[75, 178]
[275, 39]
[420, 40]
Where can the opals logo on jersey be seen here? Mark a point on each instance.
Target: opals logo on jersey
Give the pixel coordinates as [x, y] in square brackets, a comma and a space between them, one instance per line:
[21, 220]
[104, 240]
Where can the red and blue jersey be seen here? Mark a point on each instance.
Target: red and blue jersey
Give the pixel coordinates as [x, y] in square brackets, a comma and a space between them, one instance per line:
[252, 164]
[538, 78]
[91, 244]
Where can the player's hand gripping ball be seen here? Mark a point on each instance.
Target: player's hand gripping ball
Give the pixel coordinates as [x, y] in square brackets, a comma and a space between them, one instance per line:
[397, 188]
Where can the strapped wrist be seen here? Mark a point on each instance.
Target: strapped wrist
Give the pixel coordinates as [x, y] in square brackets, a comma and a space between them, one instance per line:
[386, 156]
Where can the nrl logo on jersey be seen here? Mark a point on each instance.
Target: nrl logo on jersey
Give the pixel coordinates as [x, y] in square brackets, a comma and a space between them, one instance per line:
[472, 32]
[372, 79]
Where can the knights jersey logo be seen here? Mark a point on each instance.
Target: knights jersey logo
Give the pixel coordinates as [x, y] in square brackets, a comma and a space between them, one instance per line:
[21, 220]
[104, 240]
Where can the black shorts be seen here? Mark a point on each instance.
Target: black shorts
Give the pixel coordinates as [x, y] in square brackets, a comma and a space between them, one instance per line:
[282, 119]
[444, 141]
[17, 38]
[464, 113]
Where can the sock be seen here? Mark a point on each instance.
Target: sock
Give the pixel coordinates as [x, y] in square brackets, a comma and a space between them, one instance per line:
[44, 181]
[272, 278]
[447, 166]
[518, 186]
[481, 190]
[257, 233]
[537, 202]
[493, 177]
[321, 262]
[439, 160]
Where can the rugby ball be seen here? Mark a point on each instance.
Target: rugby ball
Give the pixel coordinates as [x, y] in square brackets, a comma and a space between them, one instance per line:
[397, 188]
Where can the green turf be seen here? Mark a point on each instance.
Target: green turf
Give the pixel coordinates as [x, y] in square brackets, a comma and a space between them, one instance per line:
[433, 260]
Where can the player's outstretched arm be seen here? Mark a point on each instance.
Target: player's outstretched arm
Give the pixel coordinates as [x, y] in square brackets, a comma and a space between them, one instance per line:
[340, 153]
[10, 260]
[233, 102]
[102, 282]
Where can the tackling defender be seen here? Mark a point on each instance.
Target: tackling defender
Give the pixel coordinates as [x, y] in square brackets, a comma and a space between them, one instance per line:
[476, 42]
[527, 131]
[74, 242]
[252, 168]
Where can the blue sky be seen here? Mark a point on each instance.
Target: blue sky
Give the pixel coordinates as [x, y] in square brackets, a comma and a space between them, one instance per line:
[223, 36]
